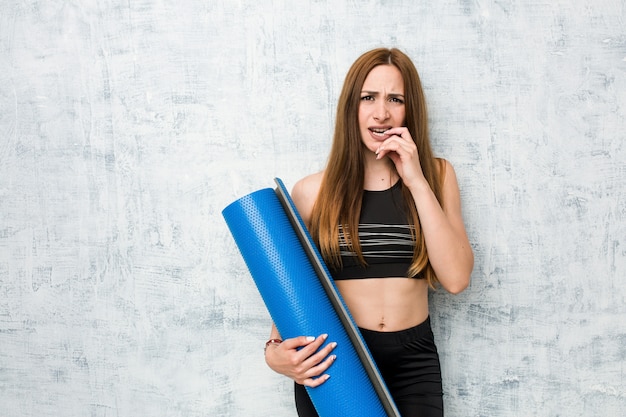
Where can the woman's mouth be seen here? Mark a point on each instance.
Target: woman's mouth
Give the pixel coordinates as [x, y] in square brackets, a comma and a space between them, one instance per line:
[379, 132]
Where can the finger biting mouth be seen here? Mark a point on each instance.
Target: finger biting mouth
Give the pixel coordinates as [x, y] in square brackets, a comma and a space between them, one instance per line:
[380, 132]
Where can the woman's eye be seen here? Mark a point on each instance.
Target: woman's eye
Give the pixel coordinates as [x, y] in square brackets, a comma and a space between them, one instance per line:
[367, 98]
[397, 100]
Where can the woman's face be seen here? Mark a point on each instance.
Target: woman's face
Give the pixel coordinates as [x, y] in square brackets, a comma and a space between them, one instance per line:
[381, 106]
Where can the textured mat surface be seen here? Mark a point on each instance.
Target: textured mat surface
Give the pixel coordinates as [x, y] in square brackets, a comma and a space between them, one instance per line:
[299, 304]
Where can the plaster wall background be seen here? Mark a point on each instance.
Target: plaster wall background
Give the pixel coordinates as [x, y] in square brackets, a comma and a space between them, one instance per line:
[125, 129]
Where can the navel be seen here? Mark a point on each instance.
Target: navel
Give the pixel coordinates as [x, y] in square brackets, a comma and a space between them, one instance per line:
[382, 325]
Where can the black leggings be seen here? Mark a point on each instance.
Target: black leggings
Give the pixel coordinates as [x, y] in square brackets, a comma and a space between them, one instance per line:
[409, 364]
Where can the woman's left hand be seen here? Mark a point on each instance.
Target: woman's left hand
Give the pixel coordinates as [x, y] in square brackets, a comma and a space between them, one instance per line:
[401, 149]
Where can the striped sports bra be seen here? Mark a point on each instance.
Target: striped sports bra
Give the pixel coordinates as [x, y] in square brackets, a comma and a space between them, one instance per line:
[385, 238]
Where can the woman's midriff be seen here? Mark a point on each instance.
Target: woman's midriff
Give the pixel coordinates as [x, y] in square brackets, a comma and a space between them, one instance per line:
[386, 304]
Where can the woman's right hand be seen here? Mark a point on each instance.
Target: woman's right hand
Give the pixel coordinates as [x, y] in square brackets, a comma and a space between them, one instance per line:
[299, 359]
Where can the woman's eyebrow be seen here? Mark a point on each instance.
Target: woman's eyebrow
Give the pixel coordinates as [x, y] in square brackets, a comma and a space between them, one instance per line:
[375, 93]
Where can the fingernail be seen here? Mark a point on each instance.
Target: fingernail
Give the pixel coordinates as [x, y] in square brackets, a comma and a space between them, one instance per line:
[334, 344]
[310, 339]
[324, 336]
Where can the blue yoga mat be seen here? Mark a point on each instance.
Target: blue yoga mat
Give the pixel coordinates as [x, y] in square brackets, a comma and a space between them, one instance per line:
[302, 300]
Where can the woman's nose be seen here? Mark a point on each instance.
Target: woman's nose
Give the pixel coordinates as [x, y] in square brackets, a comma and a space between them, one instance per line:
[381, 112]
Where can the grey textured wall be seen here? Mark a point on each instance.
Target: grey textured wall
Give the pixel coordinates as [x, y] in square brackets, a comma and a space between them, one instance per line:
[126, 127]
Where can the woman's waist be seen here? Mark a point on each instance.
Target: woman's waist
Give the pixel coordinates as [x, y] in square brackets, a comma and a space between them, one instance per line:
[418, 331]
[386, 304]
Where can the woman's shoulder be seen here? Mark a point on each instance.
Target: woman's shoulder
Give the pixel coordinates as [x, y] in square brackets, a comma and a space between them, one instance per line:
[309, 183]
[449, 183]
[444, 167]
[442, 163]
[304, 193]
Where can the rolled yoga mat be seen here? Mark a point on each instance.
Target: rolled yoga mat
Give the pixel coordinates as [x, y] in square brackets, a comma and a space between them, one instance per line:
[303, 301]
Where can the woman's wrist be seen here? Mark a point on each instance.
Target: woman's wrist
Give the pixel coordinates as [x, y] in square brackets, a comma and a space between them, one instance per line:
[418, 186]
[272, 342]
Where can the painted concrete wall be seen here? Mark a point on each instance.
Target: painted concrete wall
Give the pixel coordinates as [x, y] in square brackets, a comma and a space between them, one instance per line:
[126, 127]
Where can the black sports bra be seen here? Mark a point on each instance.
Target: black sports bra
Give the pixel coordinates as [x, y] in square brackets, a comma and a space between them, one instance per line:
[385, 237]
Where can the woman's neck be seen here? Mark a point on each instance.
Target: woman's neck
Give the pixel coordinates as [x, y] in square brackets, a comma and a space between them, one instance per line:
[379, 174]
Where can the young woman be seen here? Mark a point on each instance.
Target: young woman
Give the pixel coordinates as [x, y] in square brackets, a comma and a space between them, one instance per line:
[386, 216]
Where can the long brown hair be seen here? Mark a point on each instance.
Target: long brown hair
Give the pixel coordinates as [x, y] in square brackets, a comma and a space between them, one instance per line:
[341, 191]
